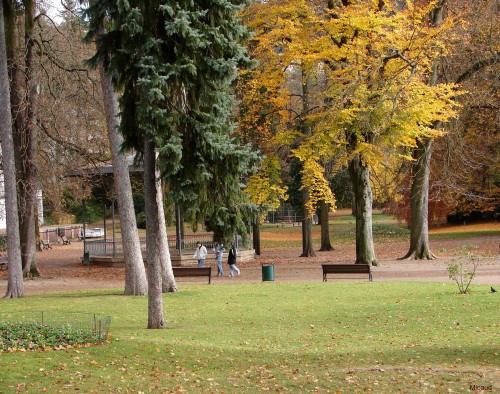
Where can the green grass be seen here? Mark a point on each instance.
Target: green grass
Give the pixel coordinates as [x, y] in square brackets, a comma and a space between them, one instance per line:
[342, 232]
[463, 235]
[296, 337]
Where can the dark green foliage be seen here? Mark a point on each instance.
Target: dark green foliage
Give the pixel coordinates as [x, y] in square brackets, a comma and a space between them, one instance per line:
[93, 211]
[34, 336]
[342, 189]
[3, 242]
[295, 198]
[141, 220]
[174, 61]
[138, 202]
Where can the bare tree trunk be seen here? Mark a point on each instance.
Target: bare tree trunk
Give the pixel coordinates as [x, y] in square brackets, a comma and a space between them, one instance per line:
[419, 199]
[256, 235]
[307, 244]
[325, 227]
[179, 227]
[135, 272]
[15, 285]
[419, 203]
[360, 178]
[167, 274]
[153, 237]
[25, 138]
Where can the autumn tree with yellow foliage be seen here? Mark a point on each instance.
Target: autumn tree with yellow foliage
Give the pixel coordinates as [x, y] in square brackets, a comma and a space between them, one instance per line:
[372, 61]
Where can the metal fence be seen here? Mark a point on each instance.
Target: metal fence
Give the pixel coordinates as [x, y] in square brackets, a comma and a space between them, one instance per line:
[52, 234]
[186, 245]
[91, 323]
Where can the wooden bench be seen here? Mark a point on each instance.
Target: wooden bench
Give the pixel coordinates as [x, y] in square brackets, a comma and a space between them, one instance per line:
[65, 241]
[346, 269]
[193, 271]
[4, 263]
[45, 244]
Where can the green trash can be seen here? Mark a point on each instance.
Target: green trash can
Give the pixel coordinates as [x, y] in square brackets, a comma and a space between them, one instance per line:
[267, 272]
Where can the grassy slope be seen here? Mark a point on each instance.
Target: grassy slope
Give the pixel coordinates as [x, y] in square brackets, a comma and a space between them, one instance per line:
[302, 337]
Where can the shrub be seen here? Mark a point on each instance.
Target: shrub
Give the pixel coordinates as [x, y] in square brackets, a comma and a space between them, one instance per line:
[33, 335]
[463, 270]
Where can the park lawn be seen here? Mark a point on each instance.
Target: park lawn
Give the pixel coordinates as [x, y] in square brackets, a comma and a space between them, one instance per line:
[297, 337]
[386, 229]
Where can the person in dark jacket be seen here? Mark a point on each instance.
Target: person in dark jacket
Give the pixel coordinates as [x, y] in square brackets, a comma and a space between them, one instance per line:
[231, 260]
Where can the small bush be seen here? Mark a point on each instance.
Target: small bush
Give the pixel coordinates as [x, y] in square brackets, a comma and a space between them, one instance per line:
[463, 270]
[33, 336]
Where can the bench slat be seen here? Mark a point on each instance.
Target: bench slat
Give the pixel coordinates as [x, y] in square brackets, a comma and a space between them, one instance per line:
[193, 271]
[346, 269]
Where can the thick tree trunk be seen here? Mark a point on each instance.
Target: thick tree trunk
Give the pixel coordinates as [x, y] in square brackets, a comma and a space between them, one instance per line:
[256, 235]
[135, 272]
[360, 178]
[15, 284]
[168, 280]
[419, 203]
[419, 198]
[153, 237]
[24, 100]
[325, 227]
[307, 244]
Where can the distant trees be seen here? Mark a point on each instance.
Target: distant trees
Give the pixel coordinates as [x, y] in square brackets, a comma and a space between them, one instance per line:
[370, 64]
[461, 175]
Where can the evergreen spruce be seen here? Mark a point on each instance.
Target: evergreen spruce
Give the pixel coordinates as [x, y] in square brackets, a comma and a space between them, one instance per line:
[175, 61]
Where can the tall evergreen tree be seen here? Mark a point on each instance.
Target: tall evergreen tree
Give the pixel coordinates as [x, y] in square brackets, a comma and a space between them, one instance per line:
[174, 62]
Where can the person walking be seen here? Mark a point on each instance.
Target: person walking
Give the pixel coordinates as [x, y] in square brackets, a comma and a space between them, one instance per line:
[200, 254]
[219, 251]
[231, 260]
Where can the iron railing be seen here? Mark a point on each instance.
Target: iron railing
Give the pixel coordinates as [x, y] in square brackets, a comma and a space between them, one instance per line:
[186, 245]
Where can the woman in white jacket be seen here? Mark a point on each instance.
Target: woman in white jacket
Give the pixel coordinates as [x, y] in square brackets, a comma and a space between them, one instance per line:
[200, 254]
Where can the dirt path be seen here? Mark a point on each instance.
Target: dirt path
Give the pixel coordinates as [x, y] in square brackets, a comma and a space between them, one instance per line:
[63, 271]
